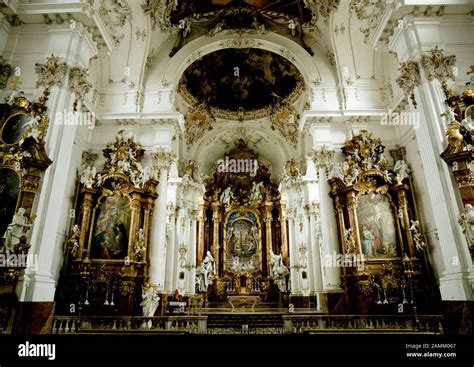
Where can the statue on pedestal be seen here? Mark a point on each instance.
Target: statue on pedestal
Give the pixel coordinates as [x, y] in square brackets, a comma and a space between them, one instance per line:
[15, 230]
[150, 302]
[227, 196]
[402, 170]
[466, 221]
[88, 176]
[205, 273]
[278, 271]
[256, 192]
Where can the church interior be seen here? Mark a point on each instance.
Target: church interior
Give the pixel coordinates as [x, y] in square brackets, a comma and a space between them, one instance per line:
[236, 167]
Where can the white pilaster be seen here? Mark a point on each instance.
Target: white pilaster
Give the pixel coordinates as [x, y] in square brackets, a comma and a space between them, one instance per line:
[455, 264]
[76, 48]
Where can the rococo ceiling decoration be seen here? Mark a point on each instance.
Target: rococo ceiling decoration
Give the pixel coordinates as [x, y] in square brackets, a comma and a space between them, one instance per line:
[197, 18]
[116, 13]
[5, 72]
[236, 79]
[368, 11]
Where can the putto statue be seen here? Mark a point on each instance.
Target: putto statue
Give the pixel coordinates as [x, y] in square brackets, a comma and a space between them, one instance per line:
[420, 244]
[34, 128]
[15, 230]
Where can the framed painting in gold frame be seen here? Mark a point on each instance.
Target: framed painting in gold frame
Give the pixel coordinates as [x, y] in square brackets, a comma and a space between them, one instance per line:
[377, 226]
[111, 228]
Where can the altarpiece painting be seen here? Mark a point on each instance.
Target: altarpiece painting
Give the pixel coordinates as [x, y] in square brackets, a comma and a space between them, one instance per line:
[112, 228]
[242, 248]
[376, 226]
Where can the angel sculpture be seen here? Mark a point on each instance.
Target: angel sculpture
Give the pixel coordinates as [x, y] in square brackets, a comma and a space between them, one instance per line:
[73, 240]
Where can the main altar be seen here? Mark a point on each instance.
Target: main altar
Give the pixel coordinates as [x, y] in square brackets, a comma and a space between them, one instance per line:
[244, 231]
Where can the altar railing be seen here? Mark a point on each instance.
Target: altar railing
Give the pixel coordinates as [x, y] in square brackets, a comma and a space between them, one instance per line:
[132, 324]
[363, 323]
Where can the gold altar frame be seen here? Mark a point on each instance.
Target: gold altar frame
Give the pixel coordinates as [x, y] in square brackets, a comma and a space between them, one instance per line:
[260, 247]
[141, 205]
[27, 157]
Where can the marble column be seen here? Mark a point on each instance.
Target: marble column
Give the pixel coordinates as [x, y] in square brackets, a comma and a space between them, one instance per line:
[313, 237]
[294, 272]
[330, 240]
[201, 222]
[284, 234]
[162, 161]
[268, 234]
[190, 286]
[171, 249]
[216, 219]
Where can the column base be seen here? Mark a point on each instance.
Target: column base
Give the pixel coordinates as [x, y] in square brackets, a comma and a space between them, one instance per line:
[36, 288]
[457, 287]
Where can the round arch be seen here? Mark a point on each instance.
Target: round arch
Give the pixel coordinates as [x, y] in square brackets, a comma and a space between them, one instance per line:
[269, 41]
[271, 147]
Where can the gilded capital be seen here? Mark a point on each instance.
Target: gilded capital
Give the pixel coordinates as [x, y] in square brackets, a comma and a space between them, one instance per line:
[322, 158]
[439, 66]
[409, 79]
[52, 73]
[163, 159]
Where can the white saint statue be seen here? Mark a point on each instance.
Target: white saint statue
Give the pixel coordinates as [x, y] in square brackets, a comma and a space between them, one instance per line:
[150, 302]
[466, 221]
[200, 278]
[337, 172]
[256, 192]
[278, 271]
[402, 170]
[227, 196]
[209, 267]
[147, 174]
[88, 176]
[15, 230]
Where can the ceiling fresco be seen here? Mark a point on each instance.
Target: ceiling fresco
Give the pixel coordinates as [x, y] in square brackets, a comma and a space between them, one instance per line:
[294, 8]
[236, 79]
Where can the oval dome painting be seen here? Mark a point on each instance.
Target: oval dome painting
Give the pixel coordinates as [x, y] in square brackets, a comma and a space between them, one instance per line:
[234, 79]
